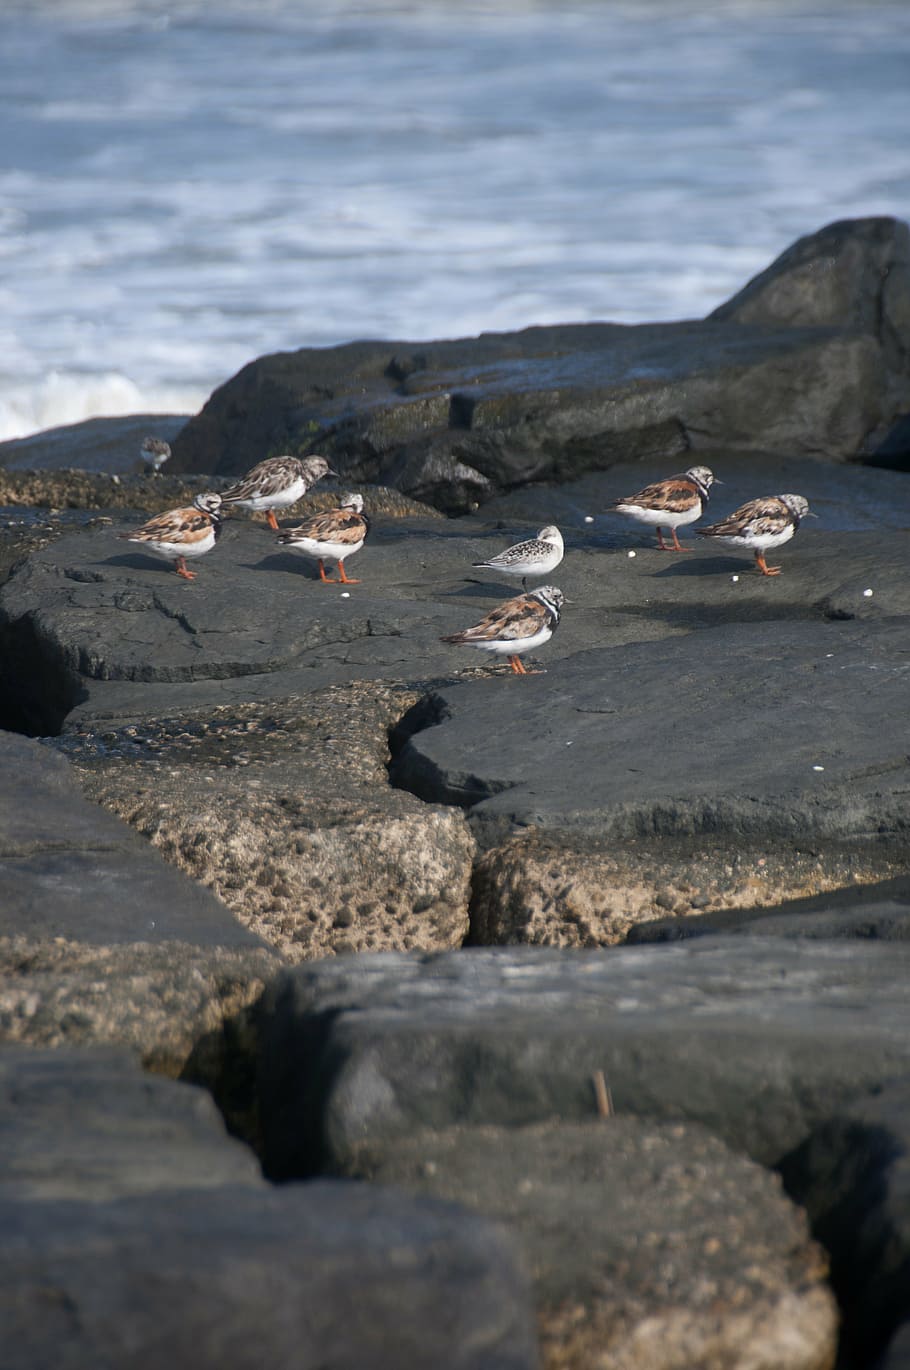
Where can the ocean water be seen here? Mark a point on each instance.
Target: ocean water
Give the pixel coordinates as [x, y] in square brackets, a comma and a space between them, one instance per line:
[185, 186]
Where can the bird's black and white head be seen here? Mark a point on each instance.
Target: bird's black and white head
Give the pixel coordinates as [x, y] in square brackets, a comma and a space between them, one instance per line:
[314, 468]
[551, 599]
[209, 503]
[352, 501]
[551, 534]
[703, 478]
[798, 506]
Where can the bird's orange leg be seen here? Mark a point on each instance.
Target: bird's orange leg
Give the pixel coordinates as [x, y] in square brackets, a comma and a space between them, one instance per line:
[345, 579]
[677, 545]
[327, 580]
[517, 666]
[765, 569]
[181, 569]
[273, 522]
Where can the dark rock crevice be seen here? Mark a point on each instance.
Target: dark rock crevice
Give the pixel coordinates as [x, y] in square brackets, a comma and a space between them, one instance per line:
[38, 687]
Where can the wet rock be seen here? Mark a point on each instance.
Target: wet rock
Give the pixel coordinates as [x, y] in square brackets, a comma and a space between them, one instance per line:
[650, 1246]
[373, 1048]
[456, 422]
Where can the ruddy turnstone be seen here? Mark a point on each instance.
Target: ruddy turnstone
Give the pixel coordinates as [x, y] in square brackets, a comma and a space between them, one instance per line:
[277, 483]
[536, 556]
[155, 452]
[669, 503]
[518, 625]
[332, 536]
[182, 533]
[761, 524]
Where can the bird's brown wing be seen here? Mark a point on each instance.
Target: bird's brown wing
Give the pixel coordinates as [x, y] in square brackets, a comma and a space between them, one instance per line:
[767, 514]
[177, 525]
[269, 477]
[333, 525]
[515, 619]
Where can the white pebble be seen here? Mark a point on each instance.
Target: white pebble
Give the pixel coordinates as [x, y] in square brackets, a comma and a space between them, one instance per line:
[631, 554]
[588, 518]
[734, 579]
[867, 594]
[818, 768]
[345, 594]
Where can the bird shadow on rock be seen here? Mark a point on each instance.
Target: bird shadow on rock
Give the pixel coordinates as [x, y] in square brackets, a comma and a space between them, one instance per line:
[283, 561]
[484, 589]
[137, 561]
[706, 566]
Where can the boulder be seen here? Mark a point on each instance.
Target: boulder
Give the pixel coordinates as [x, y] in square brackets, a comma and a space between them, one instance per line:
[822, 370]
[650, 1247]
[852, 274]
[367, 1050]
[135, 1233]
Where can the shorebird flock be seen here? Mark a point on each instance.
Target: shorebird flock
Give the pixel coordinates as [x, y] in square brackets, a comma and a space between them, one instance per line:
[511, 629]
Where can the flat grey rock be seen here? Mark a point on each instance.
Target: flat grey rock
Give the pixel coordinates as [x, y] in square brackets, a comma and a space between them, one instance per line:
[236, 1278]
[89, 1124]
[373, 1047]
[772, 729]
[92, 628]
[69, 869]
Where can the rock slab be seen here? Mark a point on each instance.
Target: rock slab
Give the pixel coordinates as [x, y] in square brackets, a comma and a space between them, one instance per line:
[109, 1260]
[651, 1247]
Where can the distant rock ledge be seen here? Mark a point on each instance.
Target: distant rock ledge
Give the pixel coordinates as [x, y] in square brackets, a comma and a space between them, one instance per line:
[811, 357]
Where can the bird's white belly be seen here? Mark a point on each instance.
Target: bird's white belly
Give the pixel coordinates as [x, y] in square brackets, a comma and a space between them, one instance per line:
[172, 550]
[761, 542]
[660, 518]
[517, 645]
[281, 499]
[325, 551]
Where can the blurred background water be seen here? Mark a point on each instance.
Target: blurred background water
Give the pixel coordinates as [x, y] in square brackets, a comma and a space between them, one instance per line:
[185, 186]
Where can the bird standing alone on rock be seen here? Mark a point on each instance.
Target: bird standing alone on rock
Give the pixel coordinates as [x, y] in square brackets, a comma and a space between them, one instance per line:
[760, 524]
[670, 503]
[277, 483]
[331, 536]
[155, 452]
[516, 626]
[536, 556]
[181, 533]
